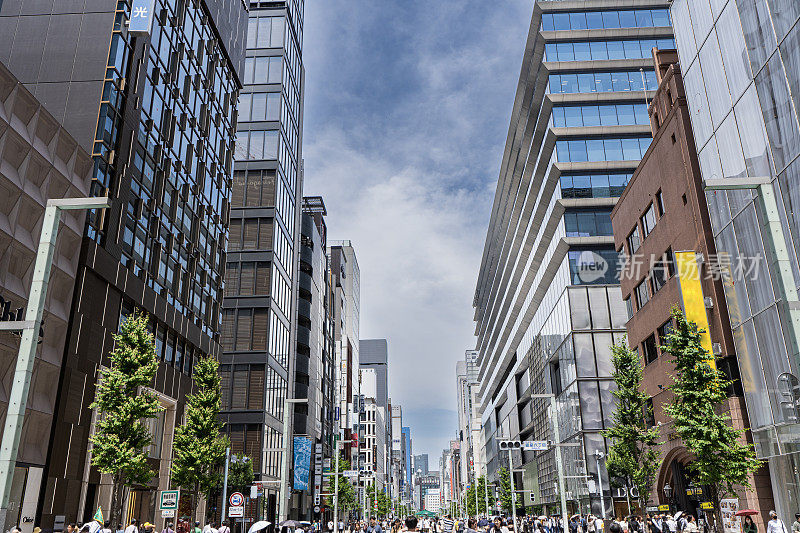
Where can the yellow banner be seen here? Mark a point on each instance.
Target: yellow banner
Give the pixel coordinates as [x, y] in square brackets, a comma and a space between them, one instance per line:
[694, 306]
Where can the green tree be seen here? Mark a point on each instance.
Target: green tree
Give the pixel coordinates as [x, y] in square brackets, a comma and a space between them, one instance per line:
[505, 489]
[633, 455]
[480, 486]
[199, 447]
[722, 457]
[348, 500]
[123, 404]
[240, 473]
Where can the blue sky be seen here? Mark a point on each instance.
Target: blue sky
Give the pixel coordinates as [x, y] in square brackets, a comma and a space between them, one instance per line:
[407, 108]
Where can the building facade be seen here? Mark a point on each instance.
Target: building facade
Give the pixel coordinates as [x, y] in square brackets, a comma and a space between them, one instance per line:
[547, 304]
[155, 106]
[740, 65]
[345, 307]
[40, 161]
[663, 212]
[259, 336]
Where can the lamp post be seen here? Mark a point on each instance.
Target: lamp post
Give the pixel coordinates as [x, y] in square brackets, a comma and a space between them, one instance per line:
[599, 455]
[18, 400]
[668, 494]
[287, 443]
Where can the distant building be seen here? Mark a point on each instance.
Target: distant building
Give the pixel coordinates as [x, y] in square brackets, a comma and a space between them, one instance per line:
[421, 464]
[374, 353]
[432, 501]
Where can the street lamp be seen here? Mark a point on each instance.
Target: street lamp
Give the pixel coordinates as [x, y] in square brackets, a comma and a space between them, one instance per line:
[599, 455]
[18, 400]
[287, 434]
[668, 493]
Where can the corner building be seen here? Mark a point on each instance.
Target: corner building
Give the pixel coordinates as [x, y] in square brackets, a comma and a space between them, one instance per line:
[548, 304]
[259, 335]
[156, 110]
[741, 65]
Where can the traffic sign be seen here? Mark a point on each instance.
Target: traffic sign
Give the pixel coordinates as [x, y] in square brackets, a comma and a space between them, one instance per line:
[167, 513]
[316, 508]
[236, 499]
[236, 512]
[663, 507]
[350, 473]
[536, 445]
[168, 500]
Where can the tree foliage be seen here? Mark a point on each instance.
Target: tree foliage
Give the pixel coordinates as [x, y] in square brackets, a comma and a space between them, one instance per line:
[505, 489]
[240, 473]
[480, 487]
[120, 439]
[348, 500]
[722, 457]
[633, 454]
[199, 447]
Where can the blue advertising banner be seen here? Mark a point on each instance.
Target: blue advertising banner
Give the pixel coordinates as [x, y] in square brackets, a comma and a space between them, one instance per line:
[302, 462]
[141, 16]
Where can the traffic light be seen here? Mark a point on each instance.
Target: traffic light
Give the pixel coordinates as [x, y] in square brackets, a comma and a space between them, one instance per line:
[510, 444]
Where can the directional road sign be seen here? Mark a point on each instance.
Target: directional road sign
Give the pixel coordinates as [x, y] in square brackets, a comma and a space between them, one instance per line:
[536, 445]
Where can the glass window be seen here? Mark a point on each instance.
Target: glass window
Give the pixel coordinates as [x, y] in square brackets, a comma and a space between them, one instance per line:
[586, 83]
[625, 115]
[733, 50]
[610, 19]
[547, 22]
[594, 150]
[702, 19]
[648, 221]
[642, 296]
[613, 149]
[565, 52]
[577, 21]
[714, 77]
[599, 50]
[634, 241]
[559, 120]
[758, 32]
[603, 81]
[579, 309]
[561, 21]
[594, 20]
[584, 355]
[608, 115]
[590, 405]
[649, 349]
[664, 330]
[577, 151]
[661, 17]
[591, 116]
[687, 48]
[598, 303]
[627, 19]
[616, 50]
[581, 51]
[776, 103]
[573, 116]
[643, 18]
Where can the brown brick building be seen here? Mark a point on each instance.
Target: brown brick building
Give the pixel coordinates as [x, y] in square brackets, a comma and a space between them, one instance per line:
[662, 211]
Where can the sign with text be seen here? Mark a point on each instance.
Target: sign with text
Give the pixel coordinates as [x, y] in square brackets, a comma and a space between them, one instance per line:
[141, 16]
[168, 500]
[535, 445]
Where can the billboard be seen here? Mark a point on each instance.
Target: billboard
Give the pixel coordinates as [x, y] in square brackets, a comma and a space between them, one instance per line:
[694, 306]
[302, 462]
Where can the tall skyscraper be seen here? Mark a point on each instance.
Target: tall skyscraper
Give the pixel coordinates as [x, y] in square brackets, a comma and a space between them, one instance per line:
[155, 106]
[259, 330]
[741, 66]
[346, 305]
[547, 303]
[374, 353]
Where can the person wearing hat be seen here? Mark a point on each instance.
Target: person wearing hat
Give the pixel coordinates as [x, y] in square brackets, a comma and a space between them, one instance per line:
[775, 524]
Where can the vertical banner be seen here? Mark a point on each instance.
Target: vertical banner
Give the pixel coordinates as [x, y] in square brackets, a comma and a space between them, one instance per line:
[694, 305]
[302, 462]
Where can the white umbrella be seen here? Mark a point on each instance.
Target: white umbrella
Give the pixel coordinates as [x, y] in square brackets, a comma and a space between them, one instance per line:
[258, 526]
[678, 515]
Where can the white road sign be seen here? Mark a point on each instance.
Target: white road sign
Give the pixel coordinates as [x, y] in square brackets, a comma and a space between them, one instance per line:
[535, 445]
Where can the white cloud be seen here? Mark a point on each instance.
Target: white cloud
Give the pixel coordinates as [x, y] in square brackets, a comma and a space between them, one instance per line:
[407, 107]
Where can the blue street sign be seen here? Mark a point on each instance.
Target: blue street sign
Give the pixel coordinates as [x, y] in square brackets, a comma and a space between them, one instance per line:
[141, 16]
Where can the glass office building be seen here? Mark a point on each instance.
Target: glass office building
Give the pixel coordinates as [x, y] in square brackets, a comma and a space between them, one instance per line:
[156, 108]
[741, 64]
[548, 304]
[259, 330]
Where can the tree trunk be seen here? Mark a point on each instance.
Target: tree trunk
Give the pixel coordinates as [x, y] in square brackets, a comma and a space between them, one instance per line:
[194, 504]
[628, 495]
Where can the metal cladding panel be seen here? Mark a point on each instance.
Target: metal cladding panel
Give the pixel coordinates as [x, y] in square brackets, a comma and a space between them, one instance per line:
[230, 20]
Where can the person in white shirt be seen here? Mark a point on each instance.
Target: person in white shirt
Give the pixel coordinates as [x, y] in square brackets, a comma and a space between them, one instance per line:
[132, 527]
[775, 524]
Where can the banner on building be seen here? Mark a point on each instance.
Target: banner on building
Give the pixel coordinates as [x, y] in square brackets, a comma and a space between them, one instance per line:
[694, 306]
[302, 462]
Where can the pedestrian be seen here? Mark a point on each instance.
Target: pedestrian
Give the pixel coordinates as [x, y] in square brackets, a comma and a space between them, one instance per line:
[671, 524]
[168, 528]
[749, 526]
[775, 524]
[691, 524]
[224, 527]
[411, 523]
[796, 524]
[374, 526]
[106, 527]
